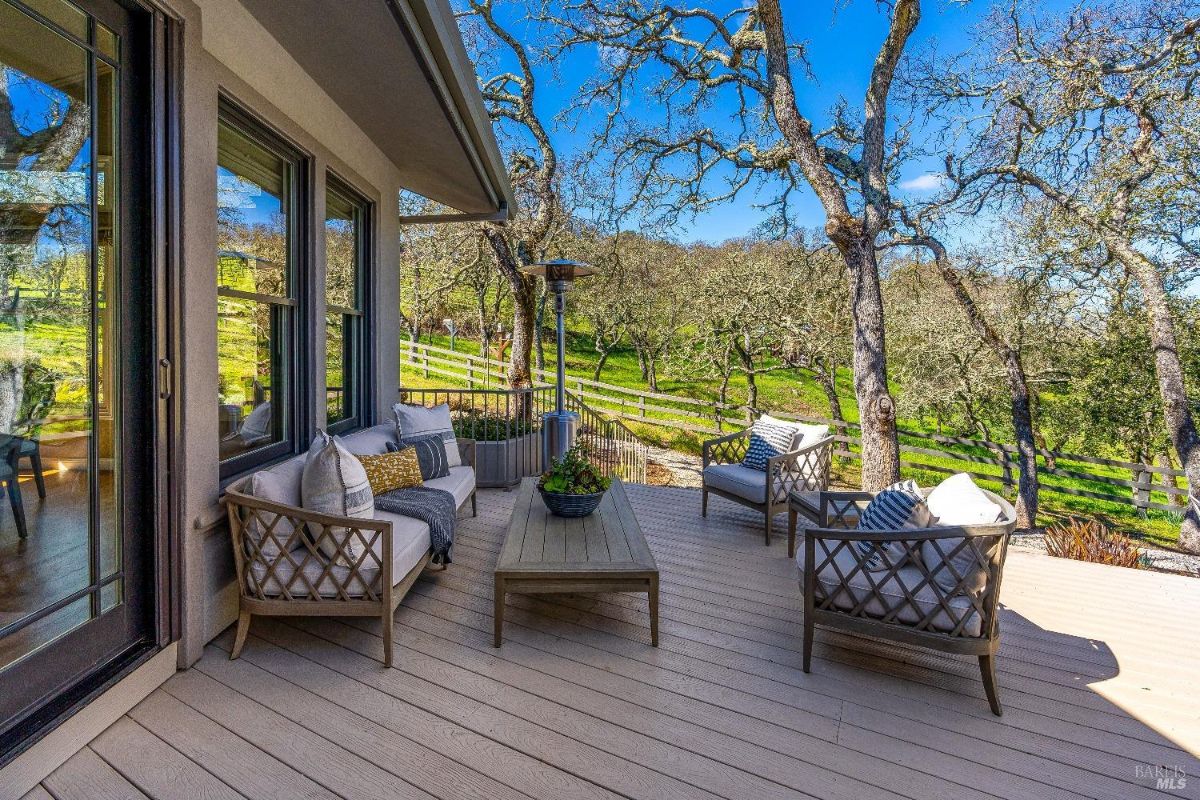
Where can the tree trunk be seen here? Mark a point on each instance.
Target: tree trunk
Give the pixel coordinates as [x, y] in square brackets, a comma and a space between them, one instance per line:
[827, 378]
[524, 297]
[877, 409]
[599, 364]
[1176, 411]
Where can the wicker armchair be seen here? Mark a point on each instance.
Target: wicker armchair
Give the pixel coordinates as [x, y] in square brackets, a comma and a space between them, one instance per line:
[941, 591]
[803, 470]
[282, 570]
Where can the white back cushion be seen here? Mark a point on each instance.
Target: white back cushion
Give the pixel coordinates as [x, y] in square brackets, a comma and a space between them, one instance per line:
[804, 434]
[958, 501]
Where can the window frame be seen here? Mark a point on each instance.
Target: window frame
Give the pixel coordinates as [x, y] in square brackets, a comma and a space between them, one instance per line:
[296, 363]
[359, 334]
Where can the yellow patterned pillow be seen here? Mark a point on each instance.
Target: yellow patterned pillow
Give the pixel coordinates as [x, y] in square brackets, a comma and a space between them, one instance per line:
[398, 470]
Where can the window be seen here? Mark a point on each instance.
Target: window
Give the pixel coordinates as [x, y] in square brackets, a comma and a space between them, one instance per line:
[260, 328]
[345, 336]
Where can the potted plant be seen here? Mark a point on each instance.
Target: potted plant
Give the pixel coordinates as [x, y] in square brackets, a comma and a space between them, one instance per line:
[573, 487]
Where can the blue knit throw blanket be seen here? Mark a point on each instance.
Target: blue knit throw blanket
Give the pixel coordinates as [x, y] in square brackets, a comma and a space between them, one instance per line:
[435, 507]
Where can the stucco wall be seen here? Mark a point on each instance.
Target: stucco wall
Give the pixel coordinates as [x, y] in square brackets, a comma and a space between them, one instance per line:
[225, 49]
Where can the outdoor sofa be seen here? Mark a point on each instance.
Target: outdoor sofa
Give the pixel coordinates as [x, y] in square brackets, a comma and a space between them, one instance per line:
[281, 569]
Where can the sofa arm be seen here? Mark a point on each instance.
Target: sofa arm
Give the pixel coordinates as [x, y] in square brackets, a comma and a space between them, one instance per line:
[281, 543]
[466, 451]
[728, 449]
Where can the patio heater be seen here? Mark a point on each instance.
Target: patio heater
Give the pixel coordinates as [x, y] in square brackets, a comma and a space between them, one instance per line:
[559, 426]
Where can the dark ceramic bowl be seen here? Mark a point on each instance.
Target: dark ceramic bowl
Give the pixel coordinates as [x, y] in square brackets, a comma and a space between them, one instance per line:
[571, 505]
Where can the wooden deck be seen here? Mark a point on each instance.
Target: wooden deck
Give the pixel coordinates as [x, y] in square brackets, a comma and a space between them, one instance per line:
[1098, 671]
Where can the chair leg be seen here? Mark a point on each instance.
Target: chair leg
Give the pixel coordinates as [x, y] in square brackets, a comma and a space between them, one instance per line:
[473, 510]
[35, 459]
[791, 533]
[770, 520]
[704, 502]
[243, 628]
[18, 505]
[808, 638]
[388, 630]
[987, 667]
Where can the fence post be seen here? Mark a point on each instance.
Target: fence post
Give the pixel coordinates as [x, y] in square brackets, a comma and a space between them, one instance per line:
[1006, 466]
[1141, 488]
[642, 406]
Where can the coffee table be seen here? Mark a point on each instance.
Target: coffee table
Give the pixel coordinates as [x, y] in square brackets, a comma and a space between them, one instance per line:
[602, 552]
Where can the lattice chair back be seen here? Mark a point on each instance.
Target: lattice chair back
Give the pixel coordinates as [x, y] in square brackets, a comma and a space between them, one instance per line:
[941, 581]
[288, 554]
[808, 471]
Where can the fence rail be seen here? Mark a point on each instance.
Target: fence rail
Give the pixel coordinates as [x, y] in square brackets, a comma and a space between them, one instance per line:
[1143, 486]
[514, 417]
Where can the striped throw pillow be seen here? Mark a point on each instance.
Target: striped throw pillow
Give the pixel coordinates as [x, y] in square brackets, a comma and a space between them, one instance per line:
[430, 452]
[767, 438]
[334, 482]
[899, 507]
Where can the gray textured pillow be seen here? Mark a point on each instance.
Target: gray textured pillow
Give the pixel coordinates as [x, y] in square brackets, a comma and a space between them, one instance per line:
[334, 482]
[279, 484]
[417, 420]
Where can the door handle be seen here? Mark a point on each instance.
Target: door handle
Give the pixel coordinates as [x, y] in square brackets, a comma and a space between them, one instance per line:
[164, 379]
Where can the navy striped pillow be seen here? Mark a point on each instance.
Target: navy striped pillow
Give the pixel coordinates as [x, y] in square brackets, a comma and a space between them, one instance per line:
[899, 507]
[431, 454]
[766, 440]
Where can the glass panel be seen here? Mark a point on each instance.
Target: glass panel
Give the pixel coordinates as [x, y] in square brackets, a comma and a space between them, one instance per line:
[254, 252]
[48, 221]
[107, 292]
[343, 248]
[70, 18]
[106, 42]
[336, 407]
[44, 630]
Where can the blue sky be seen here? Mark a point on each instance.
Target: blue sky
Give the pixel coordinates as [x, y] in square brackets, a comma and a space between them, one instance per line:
[842, 39]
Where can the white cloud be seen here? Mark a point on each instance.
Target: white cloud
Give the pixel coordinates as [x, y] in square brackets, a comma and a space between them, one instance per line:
[929, 182]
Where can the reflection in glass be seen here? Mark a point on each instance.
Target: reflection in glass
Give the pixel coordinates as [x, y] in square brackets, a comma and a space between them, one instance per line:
[254, 292]
[343, 320]
[59, 536]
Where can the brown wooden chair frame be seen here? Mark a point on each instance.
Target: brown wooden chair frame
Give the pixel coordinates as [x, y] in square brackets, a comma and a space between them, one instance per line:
[985, 545]
[355, 594]
[805, 469]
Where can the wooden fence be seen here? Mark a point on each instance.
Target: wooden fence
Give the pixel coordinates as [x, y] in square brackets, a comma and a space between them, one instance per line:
[1142, 486]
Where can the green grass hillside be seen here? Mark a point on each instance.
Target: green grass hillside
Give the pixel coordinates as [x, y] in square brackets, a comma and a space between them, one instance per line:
[791, 391]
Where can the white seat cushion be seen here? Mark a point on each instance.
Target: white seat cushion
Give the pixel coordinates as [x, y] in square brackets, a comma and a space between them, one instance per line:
[410, 542]
[862, 585]
[460, 483]
[737, 479]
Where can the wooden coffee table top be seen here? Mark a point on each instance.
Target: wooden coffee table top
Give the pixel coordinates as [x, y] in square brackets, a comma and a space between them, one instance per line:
[540, 544]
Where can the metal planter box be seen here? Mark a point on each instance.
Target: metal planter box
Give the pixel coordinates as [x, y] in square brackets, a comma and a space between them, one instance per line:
[503, 463]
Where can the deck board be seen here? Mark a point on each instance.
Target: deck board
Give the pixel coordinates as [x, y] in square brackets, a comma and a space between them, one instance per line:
[1096, 672]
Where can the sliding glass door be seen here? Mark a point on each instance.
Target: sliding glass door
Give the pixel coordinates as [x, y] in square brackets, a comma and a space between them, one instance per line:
[76, 514]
